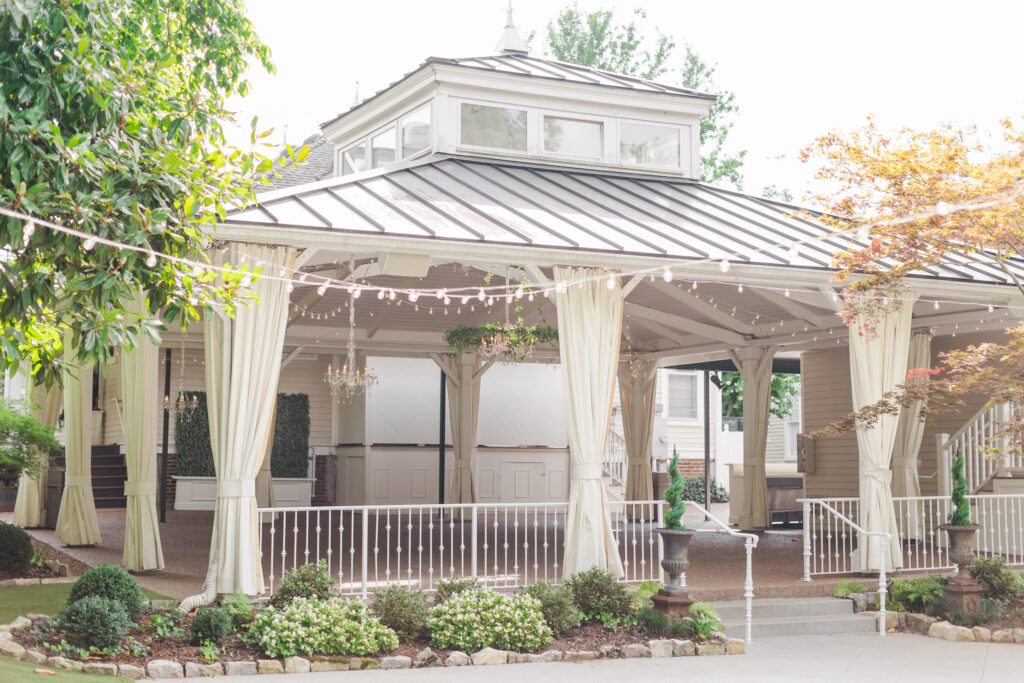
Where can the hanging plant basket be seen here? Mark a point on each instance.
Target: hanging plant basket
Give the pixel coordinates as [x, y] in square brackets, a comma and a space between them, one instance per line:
[513, 342]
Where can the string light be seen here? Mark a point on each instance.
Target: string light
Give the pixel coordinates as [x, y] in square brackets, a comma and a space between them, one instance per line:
[724, 265]
[27, 232]
[89, 243]
[667, 274]
[151, 260]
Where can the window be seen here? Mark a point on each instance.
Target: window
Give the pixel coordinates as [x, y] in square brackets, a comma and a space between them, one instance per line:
[573, 137]
[495, 127]
[682, 396]
[382, 148]
[416, 131]
[647, 145]
[353, 159]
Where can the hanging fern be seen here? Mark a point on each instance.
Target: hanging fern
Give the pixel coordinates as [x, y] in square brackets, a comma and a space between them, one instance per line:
[961, 507]
[518, 339]
[674, 496]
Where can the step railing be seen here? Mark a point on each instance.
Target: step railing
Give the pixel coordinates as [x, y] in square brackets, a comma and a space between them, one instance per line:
[982, 445]
[828, 529]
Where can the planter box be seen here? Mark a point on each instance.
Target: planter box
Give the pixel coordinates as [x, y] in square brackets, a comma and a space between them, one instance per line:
[200, 493]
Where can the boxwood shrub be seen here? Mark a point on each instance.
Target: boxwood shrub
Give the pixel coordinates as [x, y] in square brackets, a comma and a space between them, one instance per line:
[94, 621]
[15, 549]
[110, 581]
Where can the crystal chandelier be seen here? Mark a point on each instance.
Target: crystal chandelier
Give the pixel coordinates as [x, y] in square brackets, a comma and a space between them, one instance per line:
[350, 381]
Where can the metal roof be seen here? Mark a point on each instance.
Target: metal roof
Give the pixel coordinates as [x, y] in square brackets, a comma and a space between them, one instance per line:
[538, 67]
[317, 165]
[470, 199]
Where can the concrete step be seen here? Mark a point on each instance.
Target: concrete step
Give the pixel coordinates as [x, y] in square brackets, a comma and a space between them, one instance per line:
[803, 626]
[777, 608]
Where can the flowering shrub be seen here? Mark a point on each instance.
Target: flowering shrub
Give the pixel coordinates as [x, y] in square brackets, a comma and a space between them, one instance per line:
[473, 620]
[308, 626]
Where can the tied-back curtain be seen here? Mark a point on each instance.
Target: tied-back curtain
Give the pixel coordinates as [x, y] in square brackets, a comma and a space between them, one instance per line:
[29, 507]
[462, 374]
[243, 361]
[139, 367]
[878, 363]
[589, 329]
[77, 523]
[264, 479]
[755, 366]
[909, 434]
[637, 387]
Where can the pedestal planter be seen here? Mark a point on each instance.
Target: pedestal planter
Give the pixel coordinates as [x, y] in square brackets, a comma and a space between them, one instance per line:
[962, 592]
[673, 598]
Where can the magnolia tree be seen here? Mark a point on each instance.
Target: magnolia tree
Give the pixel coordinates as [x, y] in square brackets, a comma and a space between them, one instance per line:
[920, 198]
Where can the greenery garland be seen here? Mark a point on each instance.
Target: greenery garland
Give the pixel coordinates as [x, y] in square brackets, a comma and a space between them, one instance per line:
[518, 339]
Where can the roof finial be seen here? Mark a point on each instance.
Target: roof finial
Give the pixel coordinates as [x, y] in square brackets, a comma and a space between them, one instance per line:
[355, 98]
[510, 42]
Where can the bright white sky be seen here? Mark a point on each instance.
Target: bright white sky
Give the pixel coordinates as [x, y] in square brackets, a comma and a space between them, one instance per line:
[798, 68]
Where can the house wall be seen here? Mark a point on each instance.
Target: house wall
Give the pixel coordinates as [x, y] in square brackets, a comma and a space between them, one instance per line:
[827, 396]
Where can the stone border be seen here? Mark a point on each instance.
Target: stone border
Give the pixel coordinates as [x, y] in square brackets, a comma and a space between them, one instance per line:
[58, 568]
[426, 658]
[924, 625]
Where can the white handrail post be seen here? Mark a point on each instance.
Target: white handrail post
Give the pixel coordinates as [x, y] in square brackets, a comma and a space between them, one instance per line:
[472, 532]
[748, 589]
[885, 558]
[364, 551]
[942, 465]
[807, 540]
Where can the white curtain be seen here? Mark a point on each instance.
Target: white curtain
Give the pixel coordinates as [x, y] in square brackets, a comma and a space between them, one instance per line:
[637, 387]
[589, 329]
[755, 366]
[139, 368]
[264, 480]
[909, 434]
[77, 523]
[243, 361]
[878, 362]
[29, 507]
[462, 383]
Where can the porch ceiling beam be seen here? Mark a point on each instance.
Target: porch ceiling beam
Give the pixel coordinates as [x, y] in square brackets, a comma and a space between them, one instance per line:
[965, 317]
[685, 324]
[291, 356]
[798, 311]
[631, 285]
[673, 336]
[302, 304]
[305, 257]
[537, 276]
[820, 302]
[700, 306]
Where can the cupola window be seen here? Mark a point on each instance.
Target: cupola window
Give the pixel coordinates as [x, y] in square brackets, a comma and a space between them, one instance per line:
[494, 127]
[645, 145]
[573, 137]
[416, 131]
[382, 148]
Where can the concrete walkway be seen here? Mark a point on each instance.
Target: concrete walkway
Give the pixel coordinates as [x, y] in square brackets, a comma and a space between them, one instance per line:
[897, 657]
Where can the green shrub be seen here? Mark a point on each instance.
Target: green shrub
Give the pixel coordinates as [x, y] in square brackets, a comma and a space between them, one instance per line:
[94, 621]
[15, 549]
[211, 624]
[700, 625]
[693, 489]
[997, 580]
[652, 622]
[239, 608]
[110, 581]
[847, 587]
[320, 627]
[472, 620]
[703, 621]
[307, 581]
[919, 595]
[990, 610]
[599, 596]
[402, 610]
[454, 585]
[556, 606]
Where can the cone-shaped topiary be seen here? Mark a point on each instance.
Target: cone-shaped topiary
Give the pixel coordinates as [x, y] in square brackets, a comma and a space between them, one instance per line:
[961, 508]
[674, 496]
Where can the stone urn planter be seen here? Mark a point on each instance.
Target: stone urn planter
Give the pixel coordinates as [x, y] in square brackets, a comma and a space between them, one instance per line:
[962, 591]
[673, 598]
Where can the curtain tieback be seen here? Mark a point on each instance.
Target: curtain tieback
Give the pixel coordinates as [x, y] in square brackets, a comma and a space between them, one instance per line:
[236, 488]
[140, 488]
[879, 475]
[909, 463]
[586, 471]
[82, 480]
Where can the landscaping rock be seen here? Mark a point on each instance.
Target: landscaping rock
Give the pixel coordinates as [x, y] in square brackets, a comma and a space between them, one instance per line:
[549, 656]
[21, 622]
[520, 658]
[582, 655]
[426, 658]
[362, 663]
[611, 651]
[660, 648]
[489, 657]
[5, 628]
[132, 671]
[1018, 635]
[5, 635]
[243, 668]
[64, 663]
[296, 665]
[269, 666]
[982, 634]
[635, 650]
[710, 647]
[1003, 635]
[735, 646]
[683, 648]
[329, 664]
[396, 662]
[61, 580]
[203, 670]
[902, 619]
[26, 582]
[33, 657]
[861, 601]
[919, 623]
[951, 632]
[9, 648]
[31, 616]
[100, 668]
[164, 668]
[457, 658]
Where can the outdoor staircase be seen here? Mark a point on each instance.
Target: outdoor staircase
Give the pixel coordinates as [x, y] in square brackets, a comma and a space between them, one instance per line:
[985, 456]
[794, 617]
[109, 474]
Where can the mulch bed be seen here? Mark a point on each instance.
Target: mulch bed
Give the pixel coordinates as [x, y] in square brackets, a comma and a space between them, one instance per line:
[75, 567]
[36, 571]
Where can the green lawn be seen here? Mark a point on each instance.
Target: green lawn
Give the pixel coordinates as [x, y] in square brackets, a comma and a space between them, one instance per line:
[12, 670]
[45, 598]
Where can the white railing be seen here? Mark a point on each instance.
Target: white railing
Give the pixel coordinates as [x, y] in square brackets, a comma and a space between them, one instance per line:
[979, 441]
[614, 463]
[821, 522]
[501, 545]
[829, 542]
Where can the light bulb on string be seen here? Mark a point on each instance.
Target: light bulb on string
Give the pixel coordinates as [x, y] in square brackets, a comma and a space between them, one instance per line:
[391, 295]
[27, 231]
[990, 308]
[519, 292]
[465, 299]
[441, 293]
[447, 301]
[787, 292]
[611, 282]
[936, 305]
[666, 275]
[794, 252]
[89, 243]
[724, 265]
[414, 296]
[380, 293]
[322, 289]
[739, 288]
[480, 295]
[356, 292]
[151, 260]
[291, 287]
[530, 296]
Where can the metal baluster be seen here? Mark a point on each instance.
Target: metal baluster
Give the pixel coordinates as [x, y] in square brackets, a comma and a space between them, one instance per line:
[273, 532]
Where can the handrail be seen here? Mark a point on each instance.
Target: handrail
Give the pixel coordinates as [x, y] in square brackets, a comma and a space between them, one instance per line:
[969, 423]
[881, 535]
[749, 543]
